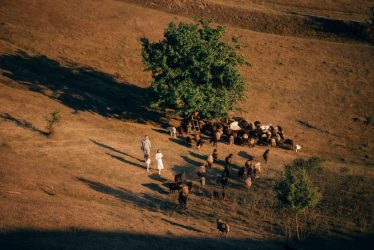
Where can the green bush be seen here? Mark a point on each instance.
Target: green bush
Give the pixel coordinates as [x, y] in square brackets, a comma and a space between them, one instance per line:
[294, 189]
[193, 70]
[53, 119]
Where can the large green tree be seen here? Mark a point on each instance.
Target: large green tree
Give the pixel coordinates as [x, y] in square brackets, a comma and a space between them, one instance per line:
[193, 70]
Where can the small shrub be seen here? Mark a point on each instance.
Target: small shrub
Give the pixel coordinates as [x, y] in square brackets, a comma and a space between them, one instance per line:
[53, 119]
[295, 191]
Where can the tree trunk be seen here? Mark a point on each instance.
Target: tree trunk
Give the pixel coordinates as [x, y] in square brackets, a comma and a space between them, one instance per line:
[297, 226]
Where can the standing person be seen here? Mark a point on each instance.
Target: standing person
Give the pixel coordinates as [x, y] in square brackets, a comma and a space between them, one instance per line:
[145, 146]
[147, 161]
[160, 164]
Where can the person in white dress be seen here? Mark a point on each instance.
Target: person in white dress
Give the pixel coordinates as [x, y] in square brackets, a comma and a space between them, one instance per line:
[160, 165]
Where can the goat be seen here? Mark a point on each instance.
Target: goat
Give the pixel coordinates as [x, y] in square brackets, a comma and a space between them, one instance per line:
[215, 154]
[252, 142]
[224, 194]
[219, 196]
[290, 144]
[273, 142]
[172, 131]
[216, 195]
[298, 147]
[210, 161]
[183, 195]
[266, 155]
[174, 187]
[199, 143]
[228, 160]
[180, 131]
[223, 180]
[231, 140]
[265, 127]
[241, 172]
[223, 228]
[178, 178]
[248, 183]
[189, 141]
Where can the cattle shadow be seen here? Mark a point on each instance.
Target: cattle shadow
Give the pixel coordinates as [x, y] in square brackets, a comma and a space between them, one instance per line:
[157, 177]
[22, 123]
[155, 187]
[126, 161]
[182, 226]
[196, 155]
[162, 131]
[191, 161]
[245, 155]
[179, 141]
[81, 88]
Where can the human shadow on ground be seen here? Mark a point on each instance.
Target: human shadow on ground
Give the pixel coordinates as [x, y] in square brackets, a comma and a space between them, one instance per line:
[141, 199]
[245, 155]
[114, 149]
[81, 88]
[126, 161]
[22, 123]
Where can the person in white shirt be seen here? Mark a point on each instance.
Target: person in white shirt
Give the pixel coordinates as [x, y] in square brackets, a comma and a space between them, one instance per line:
[160, 164]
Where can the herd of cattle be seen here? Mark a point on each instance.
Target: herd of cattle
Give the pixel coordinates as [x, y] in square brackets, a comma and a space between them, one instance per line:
[236, 131]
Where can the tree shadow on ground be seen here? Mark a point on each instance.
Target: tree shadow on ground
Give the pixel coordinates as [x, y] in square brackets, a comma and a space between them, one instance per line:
[84, 239]
[22, 123]
[114, 150]
[79, 87]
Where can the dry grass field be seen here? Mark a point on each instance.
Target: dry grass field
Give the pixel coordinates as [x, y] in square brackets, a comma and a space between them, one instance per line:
[86, 187]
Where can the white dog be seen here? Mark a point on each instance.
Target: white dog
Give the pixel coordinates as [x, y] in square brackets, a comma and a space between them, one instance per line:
[298, 147]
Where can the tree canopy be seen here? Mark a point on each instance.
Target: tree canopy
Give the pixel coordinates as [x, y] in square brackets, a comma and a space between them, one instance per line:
[193, 70]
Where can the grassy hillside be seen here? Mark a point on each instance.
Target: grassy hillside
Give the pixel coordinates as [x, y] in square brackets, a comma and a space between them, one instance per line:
[88, 183]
